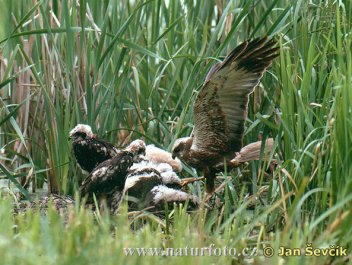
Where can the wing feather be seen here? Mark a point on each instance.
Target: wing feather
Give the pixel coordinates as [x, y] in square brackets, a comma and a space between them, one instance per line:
[108, 174]
[220, 109]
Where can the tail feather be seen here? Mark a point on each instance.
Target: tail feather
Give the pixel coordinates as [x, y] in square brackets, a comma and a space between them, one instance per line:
[252, 152]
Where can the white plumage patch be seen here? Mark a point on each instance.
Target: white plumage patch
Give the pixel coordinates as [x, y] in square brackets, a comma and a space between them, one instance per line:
[168, 176]
[162, 193]
[157, 155]
[99, 172]
[82, 128]
[163, 167]
[83, 143]
[103, 150]
[140, 165]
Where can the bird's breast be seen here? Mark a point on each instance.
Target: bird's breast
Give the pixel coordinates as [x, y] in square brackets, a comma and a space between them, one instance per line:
[200, 159]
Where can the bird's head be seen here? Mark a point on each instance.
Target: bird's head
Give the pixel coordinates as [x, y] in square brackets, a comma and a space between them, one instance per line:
[81, 131]
[137, 147]
[181, 147]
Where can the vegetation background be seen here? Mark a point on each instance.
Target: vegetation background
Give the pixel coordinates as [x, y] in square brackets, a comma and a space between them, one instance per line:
[131, 69]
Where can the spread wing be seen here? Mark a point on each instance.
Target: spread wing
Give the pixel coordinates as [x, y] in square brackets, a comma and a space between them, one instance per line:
[220, 109]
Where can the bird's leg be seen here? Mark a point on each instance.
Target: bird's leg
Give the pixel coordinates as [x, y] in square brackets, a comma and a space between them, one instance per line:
[209, 175]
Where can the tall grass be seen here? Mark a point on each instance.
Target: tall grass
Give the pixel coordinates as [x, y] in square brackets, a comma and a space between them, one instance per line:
[132, 69]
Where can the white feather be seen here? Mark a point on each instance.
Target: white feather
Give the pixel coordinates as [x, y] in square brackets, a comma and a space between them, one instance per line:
[82, 128]
[170, 177]
[163, 193]
[157, 155]
[97, 173]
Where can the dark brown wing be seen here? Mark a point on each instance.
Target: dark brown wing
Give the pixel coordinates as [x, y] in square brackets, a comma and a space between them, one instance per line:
[90, 152]
[220, 109]
[108, 175]
[106, 144]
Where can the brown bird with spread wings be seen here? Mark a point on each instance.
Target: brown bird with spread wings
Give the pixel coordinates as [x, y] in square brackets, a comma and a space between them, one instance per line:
[220, 109]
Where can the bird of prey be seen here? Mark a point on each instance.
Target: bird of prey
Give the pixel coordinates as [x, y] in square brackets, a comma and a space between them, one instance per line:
[143, 176]
[107, 180]
[150, 167]
[148, 188]
[220, 109]
[155, 168]
[88, 149]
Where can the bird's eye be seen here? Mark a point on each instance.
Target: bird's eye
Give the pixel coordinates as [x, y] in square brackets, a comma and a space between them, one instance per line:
[81, 134]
